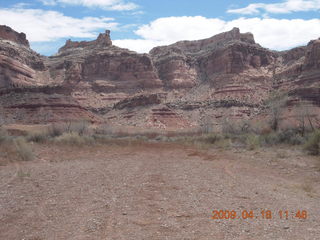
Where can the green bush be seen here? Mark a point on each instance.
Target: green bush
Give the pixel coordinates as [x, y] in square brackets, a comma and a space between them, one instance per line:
[290, 136]
[312, 146]
[287, 136]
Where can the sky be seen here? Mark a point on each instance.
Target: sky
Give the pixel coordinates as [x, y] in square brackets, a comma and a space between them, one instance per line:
[140, 25]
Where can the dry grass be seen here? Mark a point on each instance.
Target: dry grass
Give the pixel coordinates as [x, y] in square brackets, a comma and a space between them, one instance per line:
[253, 142]
[15, 148]
[22, 174]
[312, 146]
[74, 139]
[23, 149]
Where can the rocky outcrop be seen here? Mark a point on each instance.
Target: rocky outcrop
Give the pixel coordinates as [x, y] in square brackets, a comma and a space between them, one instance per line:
[299, 67]
[28, 94]
[100, 64]
[140, 101]
[102, 41]
[227, 76]
[7, 33]
[188, 63]
[214, 42]
[312, 60]
[37, 105]
[236, 70]
[20, 66]
[97, 69]
[174, 67]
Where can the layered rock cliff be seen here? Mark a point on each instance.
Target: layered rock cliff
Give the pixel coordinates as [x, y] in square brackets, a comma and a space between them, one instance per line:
[28, 93]
[19, 65]
[101, 74]
[7, 33]
[227, 76]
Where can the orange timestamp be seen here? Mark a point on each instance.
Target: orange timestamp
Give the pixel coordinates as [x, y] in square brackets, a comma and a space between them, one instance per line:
[263, 214]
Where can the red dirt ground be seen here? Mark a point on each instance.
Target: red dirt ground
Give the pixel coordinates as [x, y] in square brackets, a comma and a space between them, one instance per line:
[158, 191]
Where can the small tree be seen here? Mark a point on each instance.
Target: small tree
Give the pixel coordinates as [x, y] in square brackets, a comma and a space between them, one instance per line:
[304, 117]
[276, 103]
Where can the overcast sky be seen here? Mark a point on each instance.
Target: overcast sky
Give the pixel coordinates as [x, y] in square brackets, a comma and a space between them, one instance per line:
[142, 24]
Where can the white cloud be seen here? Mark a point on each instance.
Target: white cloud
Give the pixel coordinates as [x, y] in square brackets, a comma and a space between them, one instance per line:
[48, 2]
[115, 5]
[173, 28]
[277, 34]
[21, 5]
[40, 25]
[287, 6]
[139, 45]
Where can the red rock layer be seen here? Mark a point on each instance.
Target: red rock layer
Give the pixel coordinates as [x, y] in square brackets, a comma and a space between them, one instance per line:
[8, 33]
[227, 76]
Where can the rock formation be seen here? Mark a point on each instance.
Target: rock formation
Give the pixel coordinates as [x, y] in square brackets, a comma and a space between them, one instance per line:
[28, 94]
[101, 74]
[102, 41]
[7, 33]
[227, 76]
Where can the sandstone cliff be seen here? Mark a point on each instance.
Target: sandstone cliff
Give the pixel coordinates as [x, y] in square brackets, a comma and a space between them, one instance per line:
[227, 76]
[28, 94]
[7, 33]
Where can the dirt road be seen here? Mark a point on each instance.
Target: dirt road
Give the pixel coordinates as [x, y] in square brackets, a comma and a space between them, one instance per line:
[159, 191]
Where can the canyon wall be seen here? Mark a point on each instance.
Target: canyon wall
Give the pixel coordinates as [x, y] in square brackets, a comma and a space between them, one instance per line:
[183, 85]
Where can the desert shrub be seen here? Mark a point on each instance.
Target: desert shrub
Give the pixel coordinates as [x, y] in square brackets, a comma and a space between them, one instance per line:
[236, 127]
[290, 136]
[275, 104]
[102, 138]
[80, 127]
[210, 138]
[312, 146]
[38, 137]
[74, 139]
[23, 149]
[4, 137]
[252, 141]
[228, 128]
[224, 143]
[269, 139]
[248, 140]
[57, 129]
[286, 136]
[202, 141]
[104, 129]
[14, 148]
[260, 127]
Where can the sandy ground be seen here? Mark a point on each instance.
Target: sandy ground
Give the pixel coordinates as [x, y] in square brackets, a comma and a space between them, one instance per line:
[158, 191]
